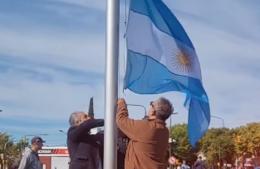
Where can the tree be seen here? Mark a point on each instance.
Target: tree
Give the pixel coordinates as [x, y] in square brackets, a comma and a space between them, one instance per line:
[6, 148]
[218, 146]
[182, 148]
[11, 152]
[247, 139]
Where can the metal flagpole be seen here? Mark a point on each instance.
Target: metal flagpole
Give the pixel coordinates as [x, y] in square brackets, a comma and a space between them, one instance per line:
[111, 90]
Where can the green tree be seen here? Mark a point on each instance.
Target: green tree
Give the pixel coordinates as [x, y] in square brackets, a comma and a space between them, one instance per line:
[218, 146]
[247, 139]
[11, 151]
[6, 148]
[181, 147]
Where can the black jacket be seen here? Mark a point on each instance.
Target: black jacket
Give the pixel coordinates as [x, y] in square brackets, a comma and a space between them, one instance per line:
[199, 164]
[83, 147]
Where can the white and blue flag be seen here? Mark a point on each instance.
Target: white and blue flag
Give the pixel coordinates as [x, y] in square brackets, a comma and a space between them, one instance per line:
[161, 58]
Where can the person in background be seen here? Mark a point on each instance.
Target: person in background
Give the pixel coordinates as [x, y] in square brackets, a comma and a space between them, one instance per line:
[184, 165]
[30, 158]
[199, 163]
[147, 148]
[84, 147]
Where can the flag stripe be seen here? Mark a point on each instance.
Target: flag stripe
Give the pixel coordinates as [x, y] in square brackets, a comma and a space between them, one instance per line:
[161, 46]
[146, 74]
[162, 17]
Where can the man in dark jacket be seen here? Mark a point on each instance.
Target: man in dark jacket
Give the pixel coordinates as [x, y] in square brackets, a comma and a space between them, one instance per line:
[84, 147]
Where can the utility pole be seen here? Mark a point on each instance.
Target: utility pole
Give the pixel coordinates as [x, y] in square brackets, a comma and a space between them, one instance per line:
[223, 126]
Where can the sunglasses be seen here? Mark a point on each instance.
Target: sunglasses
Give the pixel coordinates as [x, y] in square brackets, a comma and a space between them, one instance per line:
[151, 104]
[39, 142]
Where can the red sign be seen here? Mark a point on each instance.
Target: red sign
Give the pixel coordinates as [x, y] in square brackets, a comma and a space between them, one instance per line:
[53, 151]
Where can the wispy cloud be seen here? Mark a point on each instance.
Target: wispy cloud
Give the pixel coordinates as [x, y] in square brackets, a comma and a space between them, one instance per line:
[228, 16]
[85, 3]
[15, 67]
[43, 33]
[70, 50]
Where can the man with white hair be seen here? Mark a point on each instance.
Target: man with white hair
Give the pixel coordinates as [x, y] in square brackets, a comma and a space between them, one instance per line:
[83, 147]
[147, 148]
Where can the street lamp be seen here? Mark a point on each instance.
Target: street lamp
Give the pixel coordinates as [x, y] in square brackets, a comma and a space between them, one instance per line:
[220, 118]
[62, 131]
[137, 105]
[223, 125]
[171, 118]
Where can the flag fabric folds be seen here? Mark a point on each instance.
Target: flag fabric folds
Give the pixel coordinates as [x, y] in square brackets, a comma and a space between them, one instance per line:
[161, 58]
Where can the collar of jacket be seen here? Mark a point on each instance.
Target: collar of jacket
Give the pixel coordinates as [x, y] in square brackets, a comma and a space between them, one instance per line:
[157, 121]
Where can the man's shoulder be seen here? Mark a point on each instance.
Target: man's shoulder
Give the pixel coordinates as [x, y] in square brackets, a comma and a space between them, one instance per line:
[27, 151]
[144, 122]
[71, 128]
[138, 123]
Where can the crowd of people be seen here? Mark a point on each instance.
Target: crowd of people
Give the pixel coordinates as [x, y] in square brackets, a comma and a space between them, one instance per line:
[143, 143]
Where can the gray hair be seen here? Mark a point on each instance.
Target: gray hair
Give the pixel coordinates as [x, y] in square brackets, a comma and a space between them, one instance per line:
[163, 108]
[74, 118]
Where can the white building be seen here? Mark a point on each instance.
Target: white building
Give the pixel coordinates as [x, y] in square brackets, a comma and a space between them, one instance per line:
[54, 157]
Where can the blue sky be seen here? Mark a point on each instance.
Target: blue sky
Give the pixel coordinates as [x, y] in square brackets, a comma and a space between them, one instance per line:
[52, 60]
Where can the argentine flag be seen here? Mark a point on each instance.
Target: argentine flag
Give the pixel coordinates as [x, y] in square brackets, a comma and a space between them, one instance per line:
[161, 58]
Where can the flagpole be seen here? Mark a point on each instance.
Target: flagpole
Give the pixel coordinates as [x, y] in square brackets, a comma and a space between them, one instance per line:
[111, 89]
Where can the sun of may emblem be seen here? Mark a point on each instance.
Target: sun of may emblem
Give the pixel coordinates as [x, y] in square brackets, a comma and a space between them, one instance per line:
[183, 62]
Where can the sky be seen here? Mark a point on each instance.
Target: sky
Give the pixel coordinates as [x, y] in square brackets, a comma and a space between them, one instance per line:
[52, 60]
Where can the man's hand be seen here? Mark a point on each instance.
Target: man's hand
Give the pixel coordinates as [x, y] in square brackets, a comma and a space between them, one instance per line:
[121, 102]
[90, 116]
